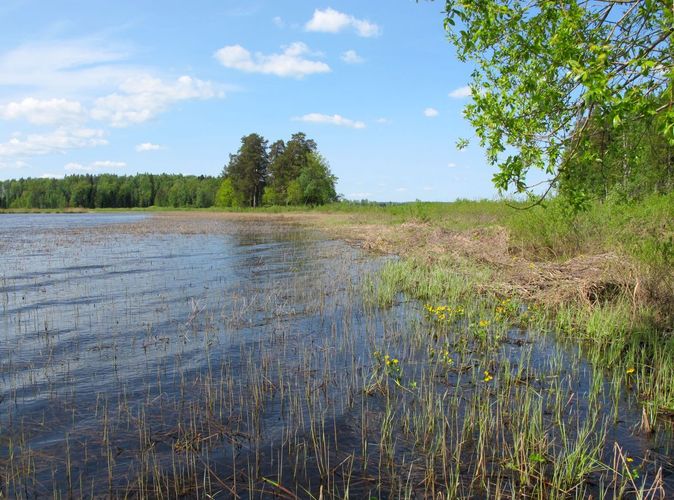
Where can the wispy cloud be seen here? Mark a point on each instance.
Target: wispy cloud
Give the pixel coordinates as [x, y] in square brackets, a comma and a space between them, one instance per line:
[43, 112]
[92, 70]
[94, 166]
[330, 119]
[140, 99]
[461, 92]
[351, 57]
[332, 21]
[57, 141]
[431, 112]
[358, 196]
[15, 165]
[65, 67]
[292, 62]
[147, 146]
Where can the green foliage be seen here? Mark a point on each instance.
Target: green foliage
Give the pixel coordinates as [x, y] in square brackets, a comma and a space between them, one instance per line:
[287, 162]
[629, 160]
[294, 195]
[225, 196]
[247, 170]
[544, 70]
[269, 197]
[109, 191]
[316, 181]
[291, 173]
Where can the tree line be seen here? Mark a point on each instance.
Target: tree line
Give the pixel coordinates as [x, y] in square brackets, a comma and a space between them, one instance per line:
[110, 191]
[285, 173]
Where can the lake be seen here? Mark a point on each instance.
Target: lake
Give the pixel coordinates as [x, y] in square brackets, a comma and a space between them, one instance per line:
[188, 354]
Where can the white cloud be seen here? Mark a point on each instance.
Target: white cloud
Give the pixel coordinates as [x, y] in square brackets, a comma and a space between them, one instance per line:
[358, 196]
[330, 119]
[147, 146]
[94, 166]
[461, 92]
[42, 112]
[57, 141]
[52, 176]
[383, 121]
[351, 57]
[279, 22]
[431, 112]
[451, 164]
[142, 98]
[81, 70]
[290, 63]
[64, 67]
[18, 164]
[401, 189]
[108, 164]
[333, 21]
[77, 167]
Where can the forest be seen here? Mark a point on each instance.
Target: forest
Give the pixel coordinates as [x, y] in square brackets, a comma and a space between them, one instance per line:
[292, 173]
[110, 191]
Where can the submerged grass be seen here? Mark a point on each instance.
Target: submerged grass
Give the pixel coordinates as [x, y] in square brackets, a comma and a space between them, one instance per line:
[440, 375]
[535, 431]
[614, 264]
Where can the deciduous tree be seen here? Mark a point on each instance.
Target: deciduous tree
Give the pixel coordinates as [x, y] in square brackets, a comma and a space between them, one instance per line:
[544, 69]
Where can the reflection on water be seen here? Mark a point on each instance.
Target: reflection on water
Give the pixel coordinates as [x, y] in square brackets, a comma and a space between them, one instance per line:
[138, 362]
[123, 320]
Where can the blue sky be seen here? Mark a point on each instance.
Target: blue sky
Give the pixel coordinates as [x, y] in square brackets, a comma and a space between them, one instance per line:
[127, 86]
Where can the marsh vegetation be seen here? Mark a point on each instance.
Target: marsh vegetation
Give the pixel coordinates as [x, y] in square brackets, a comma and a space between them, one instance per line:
[200, 355]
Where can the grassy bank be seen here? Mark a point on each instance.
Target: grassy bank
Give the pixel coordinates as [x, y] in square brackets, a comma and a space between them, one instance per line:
[603, 278]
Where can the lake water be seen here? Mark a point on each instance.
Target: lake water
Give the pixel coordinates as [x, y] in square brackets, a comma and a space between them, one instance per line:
[181, 356]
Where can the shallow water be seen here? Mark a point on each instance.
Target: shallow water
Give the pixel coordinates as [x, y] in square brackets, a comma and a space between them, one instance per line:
[142, 361]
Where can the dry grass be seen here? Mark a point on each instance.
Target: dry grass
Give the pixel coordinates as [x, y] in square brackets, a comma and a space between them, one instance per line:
[585, 279]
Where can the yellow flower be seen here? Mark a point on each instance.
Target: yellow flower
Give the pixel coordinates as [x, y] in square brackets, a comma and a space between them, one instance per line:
[630, 370]
[484, 323]
[629, 459]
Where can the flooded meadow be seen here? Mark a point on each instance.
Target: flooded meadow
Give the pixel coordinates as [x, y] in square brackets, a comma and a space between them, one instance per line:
[201, 356]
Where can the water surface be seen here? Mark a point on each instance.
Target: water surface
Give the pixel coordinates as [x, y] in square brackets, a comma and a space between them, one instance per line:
[140, 355]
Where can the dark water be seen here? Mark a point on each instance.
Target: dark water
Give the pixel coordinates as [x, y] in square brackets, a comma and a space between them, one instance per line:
[132, 362]
[99, 326]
